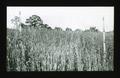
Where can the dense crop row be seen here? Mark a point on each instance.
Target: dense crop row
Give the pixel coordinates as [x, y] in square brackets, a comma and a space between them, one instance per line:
[52, 50]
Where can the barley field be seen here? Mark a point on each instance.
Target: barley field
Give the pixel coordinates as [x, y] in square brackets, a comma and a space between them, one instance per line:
[41, 49]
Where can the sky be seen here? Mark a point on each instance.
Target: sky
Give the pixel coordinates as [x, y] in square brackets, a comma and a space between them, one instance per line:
[71, 17]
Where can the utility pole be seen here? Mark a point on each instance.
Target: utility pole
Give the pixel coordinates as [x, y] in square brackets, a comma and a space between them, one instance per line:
[20, 21]
[104, 46]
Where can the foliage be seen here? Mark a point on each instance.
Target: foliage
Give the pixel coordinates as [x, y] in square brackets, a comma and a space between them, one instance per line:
[68, 29]
[58, 28]
[15, 20]
[92, 29]
[34, 21]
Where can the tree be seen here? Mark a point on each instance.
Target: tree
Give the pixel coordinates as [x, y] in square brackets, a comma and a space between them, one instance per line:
[78, 30]
[68, 29]
[23, 25]
[49, 28]
[58, 28]
[44, 26]
[34, 21]
[15, 21]
[92, 29]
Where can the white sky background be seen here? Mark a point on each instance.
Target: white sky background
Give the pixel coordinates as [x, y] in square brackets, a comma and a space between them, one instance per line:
[72, 17]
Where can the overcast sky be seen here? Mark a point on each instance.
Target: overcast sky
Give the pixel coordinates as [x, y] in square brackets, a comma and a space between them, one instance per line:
[72, 17]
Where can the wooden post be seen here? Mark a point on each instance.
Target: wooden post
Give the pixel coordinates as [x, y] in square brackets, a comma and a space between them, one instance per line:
[104, 47]
[20, 21]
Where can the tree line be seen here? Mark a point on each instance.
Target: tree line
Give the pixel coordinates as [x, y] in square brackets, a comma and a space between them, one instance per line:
[35, 21]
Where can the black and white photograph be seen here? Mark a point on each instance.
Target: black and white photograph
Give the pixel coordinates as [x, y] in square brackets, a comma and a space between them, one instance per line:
[60, 38]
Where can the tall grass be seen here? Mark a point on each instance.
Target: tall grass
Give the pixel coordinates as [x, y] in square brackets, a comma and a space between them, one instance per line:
[42, 49]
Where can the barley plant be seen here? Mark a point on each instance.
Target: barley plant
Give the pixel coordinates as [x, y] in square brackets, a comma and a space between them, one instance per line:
[40, 48]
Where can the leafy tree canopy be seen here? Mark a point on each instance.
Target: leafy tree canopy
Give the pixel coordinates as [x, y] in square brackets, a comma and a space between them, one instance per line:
[34, 20]
[68, 29]
[92, 29]
[15, 20]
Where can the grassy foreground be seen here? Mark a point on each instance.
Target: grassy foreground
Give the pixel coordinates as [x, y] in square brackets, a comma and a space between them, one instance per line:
[42, 49]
